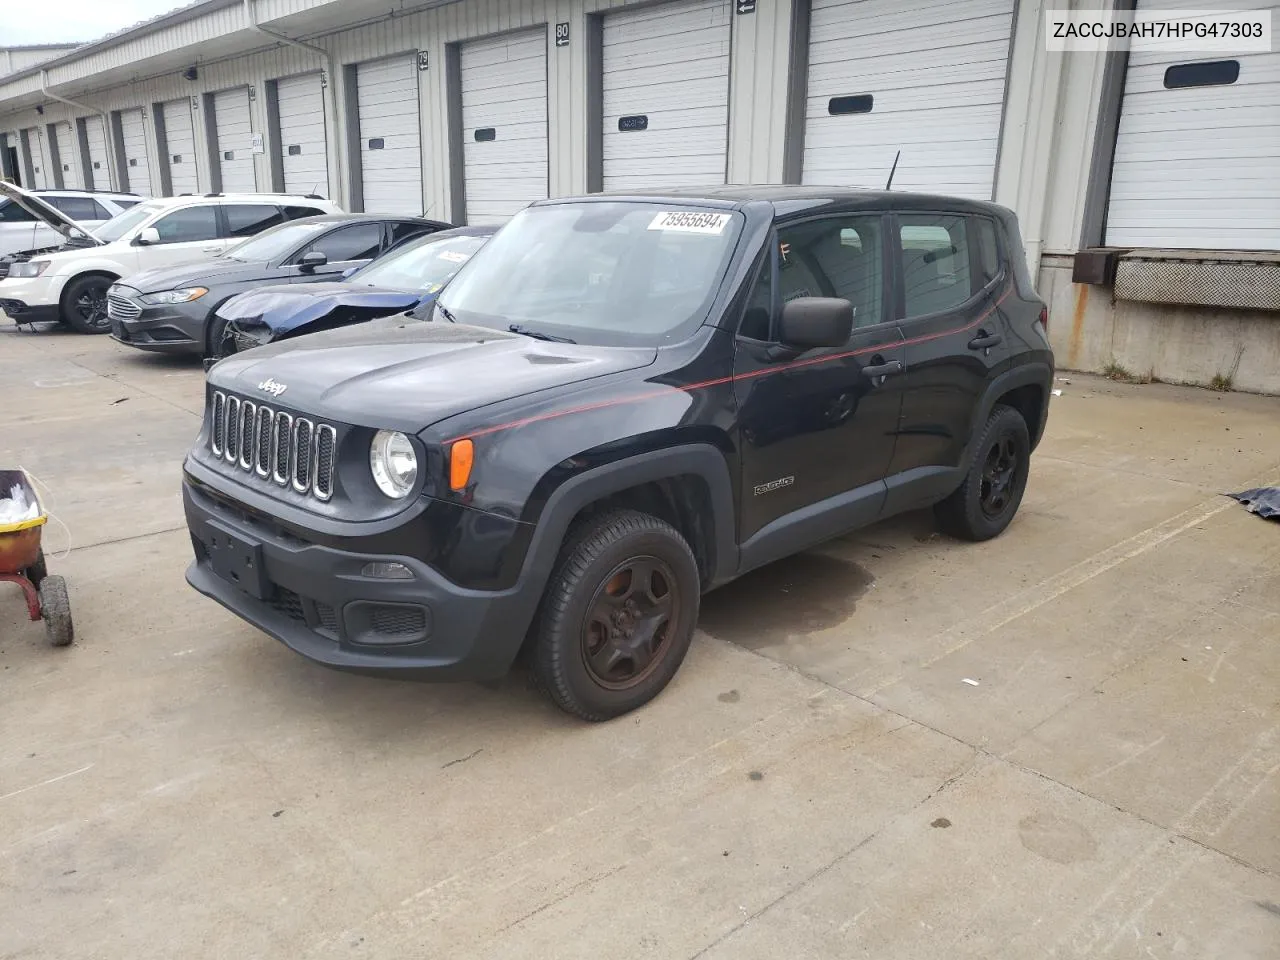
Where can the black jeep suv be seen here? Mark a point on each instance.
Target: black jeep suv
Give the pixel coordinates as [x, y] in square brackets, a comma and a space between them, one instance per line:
[620, 403]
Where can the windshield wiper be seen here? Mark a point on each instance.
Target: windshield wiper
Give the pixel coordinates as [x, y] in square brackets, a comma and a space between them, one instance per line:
[444, 312]
[537, 335]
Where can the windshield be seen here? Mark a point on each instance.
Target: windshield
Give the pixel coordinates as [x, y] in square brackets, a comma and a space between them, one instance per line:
[276, 242]
[122, 223]
[603, 272]
[426, 264]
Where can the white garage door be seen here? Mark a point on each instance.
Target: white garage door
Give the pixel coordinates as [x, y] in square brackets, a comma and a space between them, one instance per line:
[68, 157]
[235, 145]
[303, 155]
[41, 178]
[180, 147]
[924, 78]
[504, 124]
[390, 141]
[133, 137]
[99, 168]
[666, 95]
[1197, 160]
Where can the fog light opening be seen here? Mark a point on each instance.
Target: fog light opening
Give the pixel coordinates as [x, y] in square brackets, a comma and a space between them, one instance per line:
[386, 570]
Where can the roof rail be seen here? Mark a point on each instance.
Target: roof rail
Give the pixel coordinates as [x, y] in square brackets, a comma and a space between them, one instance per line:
[210, 194]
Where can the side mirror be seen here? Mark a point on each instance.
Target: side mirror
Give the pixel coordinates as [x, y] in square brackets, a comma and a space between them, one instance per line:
[147, 237]
[816, 322]
[312, 259]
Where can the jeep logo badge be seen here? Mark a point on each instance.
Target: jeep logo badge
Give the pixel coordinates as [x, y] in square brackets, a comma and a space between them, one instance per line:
[270, 386]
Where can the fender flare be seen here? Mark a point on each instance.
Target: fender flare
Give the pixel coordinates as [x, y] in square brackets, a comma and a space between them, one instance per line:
[1034, 374]
[699, 459]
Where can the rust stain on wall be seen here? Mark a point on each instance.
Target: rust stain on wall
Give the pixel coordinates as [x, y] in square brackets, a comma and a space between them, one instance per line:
[1077, 325]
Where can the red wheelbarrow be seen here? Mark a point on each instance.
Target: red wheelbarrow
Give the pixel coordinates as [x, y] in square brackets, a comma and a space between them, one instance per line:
[22, 562]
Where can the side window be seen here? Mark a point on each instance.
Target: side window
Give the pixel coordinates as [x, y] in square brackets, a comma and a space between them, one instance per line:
[126, 204]
[247, 220]
[757, 319]
[358, 242]
[79, 208]
[986, 251]
[935, 262]
[10, 212]
[836, 257]
[188, 225]
[403, 230]
[297, 213]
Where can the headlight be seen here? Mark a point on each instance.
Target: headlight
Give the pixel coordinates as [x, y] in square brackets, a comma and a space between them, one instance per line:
[185, 295]
[32, 268]
[393, 462]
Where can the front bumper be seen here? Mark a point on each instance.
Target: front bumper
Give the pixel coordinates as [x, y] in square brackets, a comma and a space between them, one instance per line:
[315, 599]
[30, 299]
[162, 328]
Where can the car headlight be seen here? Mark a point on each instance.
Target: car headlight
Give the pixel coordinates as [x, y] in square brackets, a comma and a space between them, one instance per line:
[183, 295]
[32, 268]
[394, 463]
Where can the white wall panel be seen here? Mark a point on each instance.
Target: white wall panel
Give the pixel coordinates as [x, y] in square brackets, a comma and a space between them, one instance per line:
[235, 148]
[390, 135]
[133, 137]
[303, 145]
[68, 156]
[180, 147]
[504, 95]
[669, 64]
[935, 72]
[1198, 167]
[99, 173]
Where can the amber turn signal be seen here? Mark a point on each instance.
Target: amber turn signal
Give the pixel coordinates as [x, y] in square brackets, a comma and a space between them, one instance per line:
[461, 456]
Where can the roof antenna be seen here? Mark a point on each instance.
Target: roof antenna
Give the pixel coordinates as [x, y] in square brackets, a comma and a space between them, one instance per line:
[894, 170]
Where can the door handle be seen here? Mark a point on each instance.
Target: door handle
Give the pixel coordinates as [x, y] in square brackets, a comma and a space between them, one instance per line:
[985, 341]
[883, 370]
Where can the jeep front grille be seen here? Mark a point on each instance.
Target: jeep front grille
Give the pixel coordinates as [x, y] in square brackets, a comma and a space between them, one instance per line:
[293, 452]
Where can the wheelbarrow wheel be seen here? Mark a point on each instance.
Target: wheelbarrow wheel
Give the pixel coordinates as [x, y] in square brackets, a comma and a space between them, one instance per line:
[37, 571]
[55, 610]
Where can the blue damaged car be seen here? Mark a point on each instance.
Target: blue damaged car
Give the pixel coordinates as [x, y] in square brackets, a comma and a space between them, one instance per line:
[406, 279]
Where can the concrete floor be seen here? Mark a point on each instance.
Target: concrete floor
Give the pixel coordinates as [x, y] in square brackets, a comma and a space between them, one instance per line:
[822, 779]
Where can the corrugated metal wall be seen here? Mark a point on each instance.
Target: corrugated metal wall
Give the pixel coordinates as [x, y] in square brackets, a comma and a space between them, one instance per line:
[758, 83]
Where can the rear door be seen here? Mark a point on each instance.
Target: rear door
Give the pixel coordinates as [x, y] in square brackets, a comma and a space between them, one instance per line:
[949, 276]
[817, 426]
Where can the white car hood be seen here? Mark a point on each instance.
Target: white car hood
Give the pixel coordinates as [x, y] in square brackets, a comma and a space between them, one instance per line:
[44, 211]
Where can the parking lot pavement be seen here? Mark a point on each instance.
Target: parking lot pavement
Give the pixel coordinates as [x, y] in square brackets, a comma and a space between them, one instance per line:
[1065, 742]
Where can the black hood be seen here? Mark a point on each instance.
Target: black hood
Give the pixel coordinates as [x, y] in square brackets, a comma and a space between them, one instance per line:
[406, 374]
[202, 273]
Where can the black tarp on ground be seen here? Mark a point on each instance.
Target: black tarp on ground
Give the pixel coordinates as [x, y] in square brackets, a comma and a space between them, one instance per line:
[1264, 501]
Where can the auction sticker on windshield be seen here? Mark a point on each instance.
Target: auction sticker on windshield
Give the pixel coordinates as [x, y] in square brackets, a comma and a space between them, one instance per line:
[690, 221]
[453, 256]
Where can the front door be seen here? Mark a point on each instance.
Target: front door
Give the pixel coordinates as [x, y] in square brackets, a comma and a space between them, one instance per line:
[949, 279]
[186, 235]
[817, 426]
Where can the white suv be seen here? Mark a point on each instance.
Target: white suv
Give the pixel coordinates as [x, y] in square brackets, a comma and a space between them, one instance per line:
[23, 232]
[71, 284]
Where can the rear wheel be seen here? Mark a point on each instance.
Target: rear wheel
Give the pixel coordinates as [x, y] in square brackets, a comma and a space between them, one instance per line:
[84, 304]
[989, 497]
[617, 616]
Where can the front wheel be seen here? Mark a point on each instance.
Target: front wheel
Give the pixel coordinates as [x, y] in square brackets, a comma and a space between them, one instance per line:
[618, 615]
[84, 304]
[992, 489]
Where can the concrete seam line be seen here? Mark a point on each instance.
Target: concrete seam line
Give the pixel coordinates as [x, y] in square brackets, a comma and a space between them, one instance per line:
[1031, 599]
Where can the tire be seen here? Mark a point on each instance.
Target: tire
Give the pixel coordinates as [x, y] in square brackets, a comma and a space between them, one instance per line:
[987, 500]
[217, 331]
[37, 571]
[84, 304]
[55, 610]
[605, 644]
